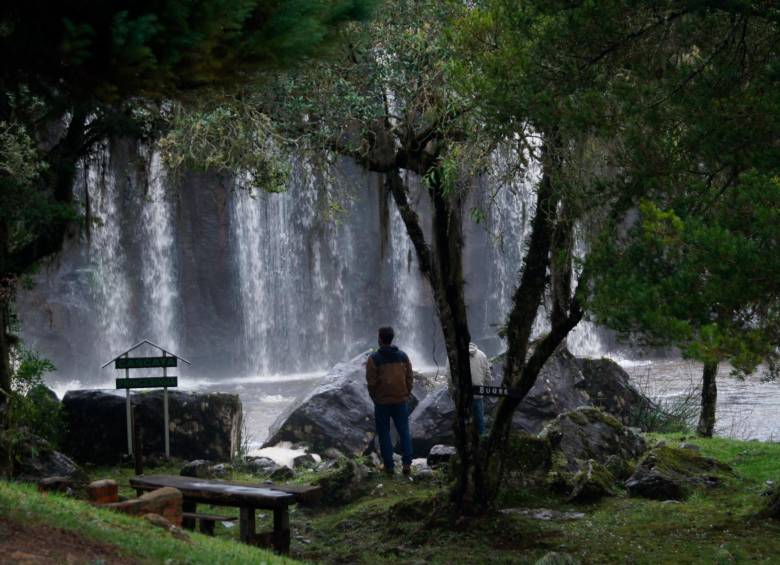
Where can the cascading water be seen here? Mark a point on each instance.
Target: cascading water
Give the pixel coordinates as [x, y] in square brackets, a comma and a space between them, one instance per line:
[105, 252]
[158, 260]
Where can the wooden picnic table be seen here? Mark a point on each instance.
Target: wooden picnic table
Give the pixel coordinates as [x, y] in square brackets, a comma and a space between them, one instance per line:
[245, 496]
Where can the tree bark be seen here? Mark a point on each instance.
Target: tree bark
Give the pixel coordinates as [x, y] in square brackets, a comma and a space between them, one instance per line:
[709, 397]
[520, 371]
[444, 270]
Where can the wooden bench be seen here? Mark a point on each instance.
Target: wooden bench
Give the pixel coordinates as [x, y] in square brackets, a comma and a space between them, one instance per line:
[247, 497]
[206, 522]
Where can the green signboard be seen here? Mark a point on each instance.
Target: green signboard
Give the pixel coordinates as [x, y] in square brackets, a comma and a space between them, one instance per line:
[149, 382]
[145, 362]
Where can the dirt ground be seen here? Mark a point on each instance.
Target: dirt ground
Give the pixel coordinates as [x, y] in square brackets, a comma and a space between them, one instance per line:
[43, 544]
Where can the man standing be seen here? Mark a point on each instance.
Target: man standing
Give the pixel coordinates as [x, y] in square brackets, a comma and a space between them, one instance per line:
[389, 379]
[480, 375]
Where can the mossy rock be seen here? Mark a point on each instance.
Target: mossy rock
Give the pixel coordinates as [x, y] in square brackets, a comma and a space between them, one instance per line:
[771, 505]
[528, 453]
[666, 473]
[591, 483]
[344, 484]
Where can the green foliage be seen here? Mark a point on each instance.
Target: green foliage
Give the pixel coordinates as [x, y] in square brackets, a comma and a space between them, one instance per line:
[226, 139]
[31, 407]
[705, 282]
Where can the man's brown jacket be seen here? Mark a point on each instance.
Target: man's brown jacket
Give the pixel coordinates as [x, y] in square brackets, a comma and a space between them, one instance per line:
[389, 375]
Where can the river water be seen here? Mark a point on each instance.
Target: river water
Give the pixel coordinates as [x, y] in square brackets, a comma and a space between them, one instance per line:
[747, 408]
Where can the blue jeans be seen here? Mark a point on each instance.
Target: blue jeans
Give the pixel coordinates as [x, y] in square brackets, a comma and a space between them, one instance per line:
[479, 415]
[400, 415]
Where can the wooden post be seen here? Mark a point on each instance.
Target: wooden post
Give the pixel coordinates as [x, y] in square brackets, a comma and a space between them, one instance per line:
[129, 416]
[138, 455]
[282, 529]
[165, 413]
[247, 525]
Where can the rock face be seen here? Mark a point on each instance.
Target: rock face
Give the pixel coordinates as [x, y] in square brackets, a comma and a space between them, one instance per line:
[338, 412]
[37, 460]
[591, 434]
[431, 423]
[609, 388]
[668, 473]
[202, 426]
[564, 384]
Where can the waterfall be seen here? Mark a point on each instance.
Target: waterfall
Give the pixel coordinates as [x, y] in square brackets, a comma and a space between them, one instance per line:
[106, 254]
[249, 284]
[158, 264]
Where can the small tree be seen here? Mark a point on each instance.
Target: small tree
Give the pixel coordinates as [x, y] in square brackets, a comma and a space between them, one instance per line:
[706, 283]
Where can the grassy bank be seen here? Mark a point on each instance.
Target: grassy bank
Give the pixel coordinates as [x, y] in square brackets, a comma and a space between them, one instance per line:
[393, 522]
[131, 538]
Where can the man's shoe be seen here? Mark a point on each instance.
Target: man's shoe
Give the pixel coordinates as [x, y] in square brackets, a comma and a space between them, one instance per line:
[407, 470]
[389, 471]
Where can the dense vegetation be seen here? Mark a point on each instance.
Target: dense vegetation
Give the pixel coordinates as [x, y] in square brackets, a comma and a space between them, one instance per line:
[656, 125]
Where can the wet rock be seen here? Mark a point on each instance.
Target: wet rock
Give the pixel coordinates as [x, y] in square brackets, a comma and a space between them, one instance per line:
[199, 468]
[56, 484]
[160, 522]
[344, 484]
[333, 453]
[202, 425]
[282, 473]
[591, 483]
[260, 465]
[590, 434]
[690, 446]
[305, 461]
[771, 504]
[37, 459]
[666, 473]
[337, 412]
[220, 471]
[562, 386]
[440, 454]
[544, 514]
[165, 501]
[431, 423]
[608, 386]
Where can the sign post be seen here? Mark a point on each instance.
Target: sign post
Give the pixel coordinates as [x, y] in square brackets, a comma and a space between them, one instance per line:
[165, 411]
[127, 404]
[124, 361]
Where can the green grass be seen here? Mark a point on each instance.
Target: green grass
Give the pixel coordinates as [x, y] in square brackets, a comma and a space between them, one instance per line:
[390, 524]
[133, 537]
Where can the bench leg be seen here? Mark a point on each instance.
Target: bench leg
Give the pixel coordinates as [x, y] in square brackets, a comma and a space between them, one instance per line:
[206, 526]
[282, 530]
[188, 506]
[247, 525]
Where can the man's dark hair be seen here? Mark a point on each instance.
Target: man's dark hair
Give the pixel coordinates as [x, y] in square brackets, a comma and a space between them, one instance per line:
[386, 335]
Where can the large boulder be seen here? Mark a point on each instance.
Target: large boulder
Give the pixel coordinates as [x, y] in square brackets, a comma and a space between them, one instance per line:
[590, 434]
[36, 459]
[336, 413]
[202, 425]
[670, 473]
[431, 422]
[565, 383]
[609, 388]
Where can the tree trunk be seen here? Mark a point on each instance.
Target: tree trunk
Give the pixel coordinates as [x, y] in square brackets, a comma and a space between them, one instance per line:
[520, 372]
[709, 397]
[444, 271]
[6, 290]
